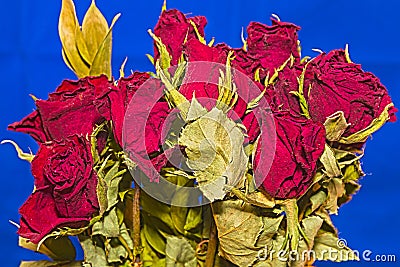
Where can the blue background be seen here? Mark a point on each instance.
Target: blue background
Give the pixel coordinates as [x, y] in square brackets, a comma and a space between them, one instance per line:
[31, 63]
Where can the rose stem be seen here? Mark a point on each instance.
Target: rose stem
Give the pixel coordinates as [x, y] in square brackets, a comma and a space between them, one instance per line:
[212, 244]
[136, 222]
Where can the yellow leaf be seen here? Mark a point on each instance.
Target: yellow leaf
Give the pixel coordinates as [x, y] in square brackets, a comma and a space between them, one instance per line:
[102, 61]
[94, 30]
[81, 45]
[67, 26]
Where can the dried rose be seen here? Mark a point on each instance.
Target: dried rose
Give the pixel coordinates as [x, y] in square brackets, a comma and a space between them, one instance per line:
[174, 28]
[207, 76]
[65, 188]
[299, 144]
[337, 85]
[75, 108]
[138, 123]
[268, 47]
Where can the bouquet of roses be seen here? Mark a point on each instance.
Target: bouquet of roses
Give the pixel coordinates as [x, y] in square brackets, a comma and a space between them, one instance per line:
[220, 157]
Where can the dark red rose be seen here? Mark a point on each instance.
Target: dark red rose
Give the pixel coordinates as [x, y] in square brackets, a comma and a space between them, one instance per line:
[139, 114]
[65, 188]
[75, 108]
[339, 85]
[268, 47]
[206, 75]
[285, 83]
[174, 28]
[299, 144]
[120, 99]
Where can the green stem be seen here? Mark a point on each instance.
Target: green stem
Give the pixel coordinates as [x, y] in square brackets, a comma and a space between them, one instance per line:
[212, 245]
[292, 223]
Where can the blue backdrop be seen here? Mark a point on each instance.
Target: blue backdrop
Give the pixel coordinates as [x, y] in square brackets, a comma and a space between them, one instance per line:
[31, 63]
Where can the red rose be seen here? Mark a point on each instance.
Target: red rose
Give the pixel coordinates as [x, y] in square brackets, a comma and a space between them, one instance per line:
[285, 83]
[299, 144]
[65, 188]
[75, 108]
[268, 47]
[120, 98]
[138, 124]
[207, 75]
[174, 28]
[339, 85]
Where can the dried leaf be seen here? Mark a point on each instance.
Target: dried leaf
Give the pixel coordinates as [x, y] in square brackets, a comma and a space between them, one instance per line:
[51, 264]
[102, 60]
[93, 252]
[108, 226]
[335, 125]
[94, 30]
[328, 242]
[330, 163]
[317, 200]
[214, 147]
[57, 248]
[336, 189]
[242, 231]
[179, 252]
[310, 226]
[154, 238]
[67, 25]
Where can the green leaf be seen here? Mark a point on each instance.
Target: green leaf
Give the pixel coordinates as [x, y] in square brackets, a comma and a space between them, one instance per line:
[362, 135]
[102, 60]
[93, 252]
[179, 213]
[154, 238]
[115, 251]
[327, 244]
[108, 226]
[194, 220]
[335, 125]
[51, 264]
[57, 248]
[179, 252]
[156, 209]
[149, 256]
[94, 29]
